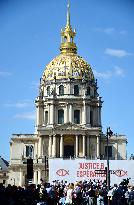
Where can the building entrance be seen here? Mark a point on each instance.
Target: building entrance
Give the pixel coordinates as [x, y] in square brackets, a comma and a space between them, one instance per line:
[68, 151]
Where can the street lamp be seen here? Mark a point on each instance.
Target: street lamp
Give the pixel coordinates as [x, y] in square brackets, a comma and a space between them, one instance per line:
[108, 134]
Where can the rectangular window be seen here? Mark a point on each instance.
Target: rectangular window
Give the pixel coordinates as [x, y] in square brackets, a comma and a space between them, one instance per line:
[60, 116]
[77, 116]
[29, 151]
[91, 118]
[61, 90]
[48, 90]
[109, 151]
[46, 117]
[76, 90]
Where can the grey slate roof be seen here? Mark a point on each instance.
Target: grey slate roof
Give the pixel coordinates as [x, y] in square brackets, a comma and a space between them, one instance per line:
[3, 164]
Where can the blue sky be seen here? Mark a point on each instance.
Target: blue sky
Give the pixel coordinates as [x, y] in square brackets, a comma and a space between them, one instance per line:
[30, 38]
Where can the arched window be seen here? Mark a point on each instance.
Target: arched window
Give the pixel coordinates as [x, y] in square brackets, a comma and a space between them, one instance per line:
[65, 39]
[88, 90]
[76, 90]
[77, 116]
[48, 90]
[60, 116]
[61, 90]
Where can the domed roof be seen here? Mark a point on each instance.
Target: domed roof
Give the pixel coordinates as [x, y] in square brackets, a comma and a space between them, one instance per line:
[67, 66]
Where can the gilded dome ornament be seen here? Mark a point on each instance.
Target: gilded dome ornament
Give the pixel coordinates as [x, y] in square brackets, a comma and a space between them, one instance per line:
[68, 65]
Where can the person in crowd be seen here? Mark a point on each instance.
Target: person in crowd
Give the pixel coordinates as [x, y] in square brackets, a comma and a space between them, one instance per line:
[62, 193]
[131, 196]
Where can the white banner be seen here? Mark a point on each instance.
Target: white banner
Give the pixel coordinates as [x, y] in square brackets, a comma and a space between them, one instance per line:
[72, 170]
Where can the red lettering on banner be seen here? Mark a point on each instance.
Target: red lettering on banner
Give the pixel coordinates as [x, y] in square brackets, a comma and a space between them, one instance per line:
[88, 170]
[91, 165]
[84, 173]
[90, 174]
[81, 167]
[86, 165]
[102, 166]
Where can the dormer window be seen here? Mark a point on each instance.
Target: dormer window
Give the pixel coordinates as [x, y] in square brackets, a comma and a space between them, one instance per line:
[76, 90]
[61, 90]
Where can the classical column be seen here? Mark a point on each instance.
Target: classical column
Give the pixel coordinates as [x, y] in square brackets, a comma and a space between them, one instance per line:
[99, 116]
[61, 146]
[66, 114]
[88, 114]
[70, 113]
[21, 178]
[116, 157]
[50, 146]
[39, 176]
[48, 113]
[40, 147]
[37, 114]
[35, 177]
[54, 146]
[11, 147]
[84, 114]
[84, 143]
[52, 114]
[98, 147]
[87, 144]
[36, 150]
[76, 138]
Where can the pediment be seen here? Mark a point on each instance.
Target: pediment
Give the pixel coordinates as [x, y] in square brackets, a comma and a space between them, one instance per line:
[69, 126]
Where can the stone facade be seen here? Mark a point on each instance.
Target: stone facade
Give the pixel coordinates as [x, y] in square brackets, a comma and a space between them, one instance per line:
[68, 117]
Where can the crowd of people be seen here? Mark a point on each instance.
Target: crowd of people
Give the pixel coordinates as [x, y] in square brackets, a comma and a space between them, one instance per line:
[63, 193]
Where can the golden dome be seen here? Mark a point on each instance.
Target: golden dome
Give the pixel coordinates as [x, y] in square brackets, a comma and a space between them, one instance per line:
[68, 66]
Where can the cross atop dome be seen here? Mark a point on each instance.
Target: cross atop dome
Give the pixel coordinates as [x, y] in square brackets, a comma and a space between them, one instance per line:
[67, 36]
[68, 14]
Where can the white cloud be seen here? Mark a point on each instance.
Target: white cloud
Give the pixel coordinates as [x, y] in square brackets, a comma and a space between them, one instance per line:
[123, 32]
[110, 30]
[20, 104]
[26, 116]
[116, 52]
[116, 72]
[5, 74]
[105, 75]
[104, 30]
[35, 85]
